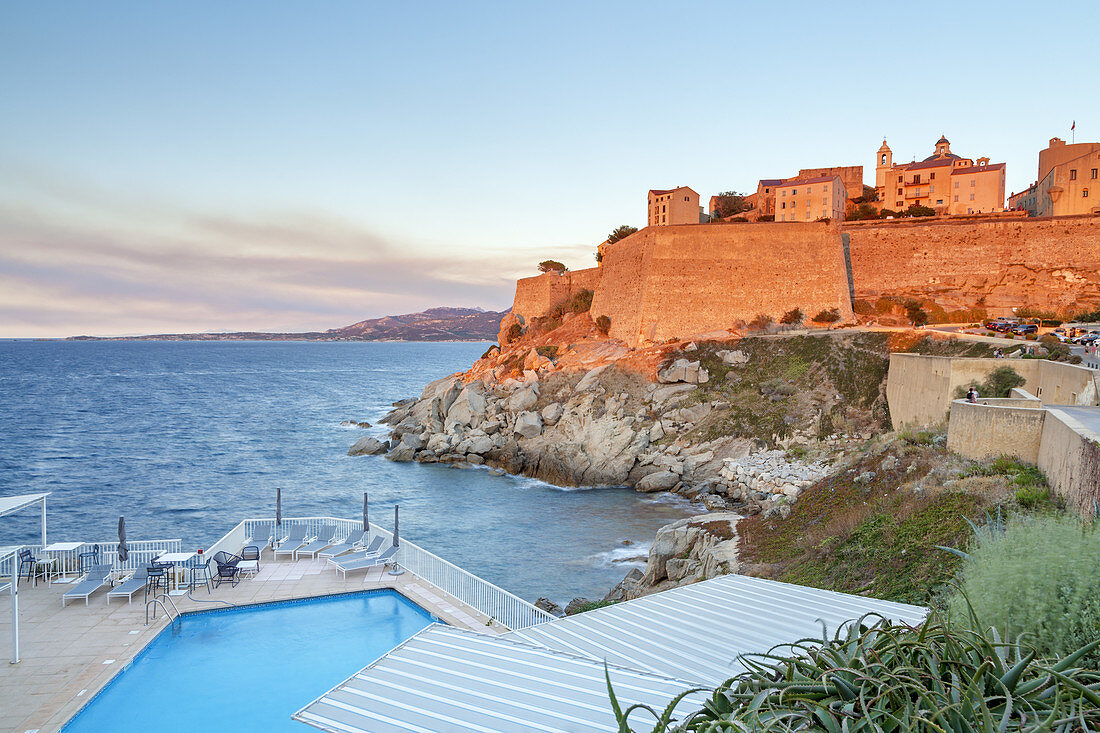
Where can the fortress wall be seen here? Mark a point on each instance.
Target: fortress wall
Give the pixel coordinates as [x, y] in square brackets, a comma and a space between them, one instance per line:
[535, 296]
[992, 428]
[680, 281]
[967, 263]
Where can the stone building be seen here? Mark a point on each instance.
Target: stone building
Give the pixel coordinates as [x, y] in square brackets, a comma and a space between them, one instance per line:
[850, 175]
[810, 199]
[1067, 183]
[943, 181]
[673, 206]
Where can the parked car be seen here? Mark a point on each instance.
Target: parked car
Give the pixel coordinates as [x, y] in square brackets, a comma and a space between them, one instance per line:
[1024, 329]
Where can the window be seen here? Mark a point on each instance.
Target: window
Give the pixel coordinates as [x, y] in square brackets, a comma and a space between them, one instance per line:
[686, 198]
[766, 190]
[794, 192]
[897, 204]
[884, 158]
[916, 179]
[971, 197]
[956, 184]
[783, 205]
[932, 176]
[1093, 173]
[972, 183]
[899, 192]
[931, 189]
[1084, 193]
[939, 201]
[956, 199]
[1073, 174]
[663, 208]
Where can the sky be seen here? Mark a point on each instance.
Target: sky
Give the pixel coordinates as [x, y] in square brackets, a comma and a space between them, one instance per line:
[202, 166]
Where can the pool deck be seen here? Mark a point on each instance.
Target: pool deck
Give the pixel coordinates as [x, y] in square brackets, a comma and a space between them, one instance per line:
[68, 654]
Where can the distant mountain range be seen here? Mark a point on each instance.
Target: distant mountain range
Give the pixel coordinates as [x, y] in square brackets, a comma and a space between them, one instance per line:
[434, 324]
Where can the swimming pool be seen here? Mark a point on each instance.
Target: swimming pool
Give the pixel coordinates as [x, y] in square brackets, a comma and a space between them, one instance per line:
[249, 668]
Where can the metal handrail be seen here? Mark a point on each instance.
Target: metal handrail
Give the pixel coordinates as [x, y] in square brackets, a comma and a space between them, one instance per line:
[160, 599]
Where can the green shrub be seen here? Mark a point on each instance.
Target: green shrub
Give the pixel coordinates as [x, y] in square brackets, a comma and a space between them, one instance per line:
[863, 308]
[603, 323]
[876, 676]
[559, 310]
[997, 384]
[552, 266]
[1074, 359]
[1033, 497]
[580, 302]
[831, 315]
[550, 352]
[592, 606]
[1032, 337]
[489, 351]
[1038, 578]
[922, 437]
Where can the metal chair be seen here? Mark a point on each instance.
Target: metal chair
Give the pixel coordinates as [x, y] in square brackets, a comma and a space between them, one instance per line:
[227, 568]
[89, 559]
[158, 576]
[198, 570]
[35, 567]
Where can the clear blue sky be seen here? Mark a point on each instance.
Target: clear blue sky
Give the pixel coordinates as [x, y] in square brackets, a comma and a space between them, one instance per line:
[267, 165]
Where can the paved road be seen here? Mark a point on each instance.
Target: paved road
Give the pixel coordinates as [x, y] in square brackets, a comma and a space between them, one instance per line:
[1087, 416]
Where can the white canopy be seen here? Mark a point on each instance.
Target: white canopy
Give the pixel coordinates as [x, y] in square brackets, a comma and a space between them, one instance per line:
[12, 504]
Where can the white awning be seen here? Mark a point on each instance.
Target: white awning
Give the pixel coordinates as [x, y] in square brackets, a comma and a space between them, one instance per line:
[10, 504]
[550, 677]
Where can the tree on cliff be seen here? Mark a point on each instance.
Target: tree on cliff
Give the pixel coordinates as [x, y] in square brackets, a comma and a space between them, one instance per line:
[729, 203]
[917, 315]
[828, 316]
[792, 317]
[621, 232]
[552, 266]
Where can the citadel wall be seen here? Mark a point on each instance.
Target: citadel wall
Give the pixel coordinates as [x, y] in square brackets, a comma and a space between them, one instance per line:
[996, 263]
[535, 296]
[675, 282]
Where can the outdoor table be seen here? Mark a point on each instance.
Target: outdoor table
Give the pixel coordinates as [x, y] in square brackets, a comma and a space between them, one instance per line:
[249, 567]
[59, 550]
[177, 559]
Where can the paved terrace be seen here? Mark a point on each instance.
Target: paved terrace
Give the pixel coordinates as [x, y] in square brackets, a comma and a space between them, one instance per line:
[70, 653]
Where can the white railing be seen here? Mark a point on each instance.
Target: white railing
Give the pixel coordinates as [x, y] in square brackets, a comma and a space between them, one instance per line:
[507, 609]
[141, 551]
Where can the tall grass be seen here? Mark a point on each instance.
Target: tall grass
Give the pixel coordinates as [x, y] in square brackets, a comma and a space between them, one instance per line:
[1040, 578]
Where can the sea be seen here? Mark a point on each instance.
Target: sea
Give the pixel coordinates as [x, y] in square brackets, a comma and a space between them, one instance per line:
[185, 439]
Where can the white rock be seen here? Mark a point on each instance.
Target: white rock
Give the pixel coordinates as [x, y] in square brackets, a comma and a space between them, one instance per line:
[528, 425]
[468, 408]
[657, 481]
[589, 380]
[552, 413]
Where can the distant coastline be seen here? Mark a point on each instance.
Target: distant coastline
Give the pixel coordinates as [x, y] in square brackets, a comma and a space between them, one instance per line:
[434, 324]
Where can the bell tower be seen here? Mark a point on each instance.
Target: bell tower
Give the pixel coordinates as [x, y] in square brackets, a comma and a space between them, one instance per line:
[884, 161]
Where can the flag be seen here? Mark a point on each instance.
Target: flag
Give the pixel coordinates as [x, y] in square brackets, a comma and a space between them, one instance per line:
[1073, 126]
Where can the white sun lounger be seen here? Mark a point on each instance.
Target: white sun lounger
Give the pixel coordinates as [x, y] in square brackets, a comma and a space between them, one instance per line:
[371, 550]
[323, 540]
[367, 562]
[95, 579]
[262, 536]
[353, 540]
[130, 586]
[294, 540]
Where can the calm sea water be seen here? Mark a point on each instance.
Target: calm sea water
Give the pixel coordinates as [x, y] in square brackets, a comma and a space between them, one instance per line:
[186, 438]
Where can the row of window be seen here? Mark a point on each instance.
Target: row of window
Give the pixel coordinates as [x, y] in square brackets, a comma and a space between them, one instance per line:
[1073, 174]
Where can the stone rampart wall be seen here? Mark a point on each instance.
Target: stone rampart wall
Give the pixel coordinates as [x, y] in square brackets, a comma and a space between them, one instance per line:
[1069, 455]
[676, 282]
[997, 263]
[920, 389]
[535, 296]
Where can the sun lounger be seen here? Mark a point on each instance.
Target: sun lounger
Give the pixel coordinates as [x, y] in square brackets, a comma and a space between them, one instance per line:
[294, 540]
[353, 540]
[372, 550]
[95, 579]
[367, 562]
[130, 586]
[323, 540]
[262, 536]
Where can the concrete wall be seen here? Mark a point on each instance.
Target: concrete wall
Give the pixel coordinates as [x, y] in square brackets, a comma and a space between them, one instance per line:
[676, 282]
[919, 389]
[996, 427]
[996, 263]
[1069, 455]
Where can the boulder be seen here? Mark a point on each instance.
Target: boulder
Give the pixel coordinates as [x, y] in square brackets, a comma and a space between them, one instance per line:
[528, 425]
[368, 446]
[467, 409]
[627, 587]
[682, 370]
[733, 357]
[523, 400]
[552, 413]
[656, 432]
[576, 606]
[670, 393]
[709, 539]
[401, 454]
[657, 481]
[549, 606]
[480, 444]
[590, 380]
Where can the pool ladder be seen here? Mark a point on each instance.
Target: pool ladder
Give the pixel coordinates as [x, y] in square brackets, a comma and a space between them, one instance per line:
[164, 602]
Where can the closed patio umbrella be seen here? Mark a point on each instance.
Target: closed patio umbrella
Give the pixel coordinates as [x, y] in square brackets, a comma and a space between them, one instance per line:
[278, 510]
[366, 522]
[123, 550]
[396, 537]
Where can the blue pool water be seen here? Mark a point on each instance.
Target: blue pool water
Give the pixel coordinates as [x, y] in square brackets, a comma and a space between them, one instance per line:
[249, 669]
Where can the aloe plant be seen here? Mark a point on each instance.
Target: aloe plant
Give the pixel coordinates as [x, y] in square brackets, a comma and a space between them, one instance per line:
[874, 676]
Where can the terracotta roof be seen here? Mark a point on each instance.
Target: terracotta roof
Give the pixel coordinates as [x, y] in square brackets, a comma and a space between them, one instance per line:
[978, 169]
[770, 181]
[945, 156]
[943, 139]
[932, 163]
[662, 192]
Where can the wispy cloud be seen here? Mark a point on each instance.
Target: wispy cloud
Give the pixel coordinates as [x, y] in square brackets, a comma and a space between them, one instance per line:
[200, 272]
